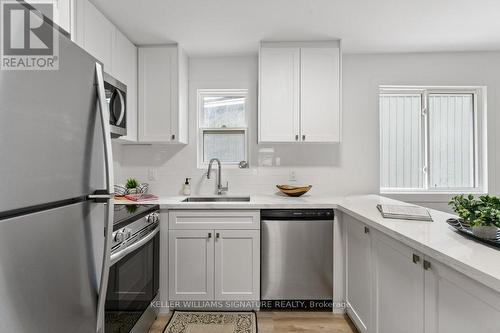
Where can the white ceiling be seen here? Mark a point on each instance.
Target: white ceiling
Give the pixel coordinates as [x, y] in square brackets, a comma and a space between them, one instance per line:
[212, 27]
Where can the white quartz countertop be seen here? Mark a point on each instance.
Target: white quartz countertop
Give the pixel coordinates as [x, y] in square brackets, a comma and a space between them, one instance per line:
[435, 239]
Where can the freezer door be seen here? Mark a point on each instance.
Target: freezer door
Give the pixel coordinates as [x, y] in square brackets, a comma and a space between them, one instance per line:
[50, 265]
[51, 143]
[297, 260]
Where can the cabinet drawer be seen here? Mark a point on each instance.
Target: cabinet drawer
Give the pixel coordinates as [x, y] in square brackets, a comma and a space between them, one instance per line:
[214, 219]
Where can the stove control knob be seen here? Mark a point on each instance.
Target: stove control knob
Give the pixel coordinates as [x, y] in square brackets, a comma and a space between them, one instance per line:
[153, 218]
[122, 234]
[119, 236]
[127, 233]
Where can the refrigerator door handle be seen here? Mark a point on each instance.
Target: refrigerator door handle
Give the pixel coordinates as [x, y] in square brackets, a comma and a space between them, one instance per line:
[108, 161]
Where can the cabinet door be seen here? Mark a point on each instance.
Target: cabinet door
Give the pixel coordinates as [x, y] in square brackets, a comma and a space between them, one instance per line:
[456, 304]
[157, 94]
[399, 287]
[125, 70]
[237, 270]
[61, 13]
[320, 94]
[358, 273]
[191, 265]
[279, 94]
[97, 35]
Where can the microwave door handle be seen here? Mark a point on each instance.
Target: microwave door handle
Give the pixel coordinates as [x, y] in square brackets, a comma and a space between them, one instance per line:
[122, 111]
[108, 162]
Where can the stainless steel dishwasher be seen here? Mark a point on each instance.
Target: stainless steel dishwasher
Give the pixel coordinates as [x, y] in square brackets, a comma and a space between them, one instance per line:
[297, 255]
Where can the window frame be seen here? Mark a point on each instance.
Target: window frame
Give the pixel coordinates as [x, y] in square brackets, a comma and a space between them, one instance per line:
[201, 93]
[479, 142]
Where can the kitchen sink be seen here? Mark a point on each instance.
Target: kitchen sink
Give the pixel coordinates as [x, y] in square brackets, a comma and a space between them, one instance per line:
[217, 199]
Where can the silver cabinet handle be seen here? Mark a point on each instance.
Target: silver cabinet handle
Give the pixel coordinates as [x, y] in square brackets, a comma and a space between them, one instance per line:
[108, 162]
[122, 111]
[416, 259]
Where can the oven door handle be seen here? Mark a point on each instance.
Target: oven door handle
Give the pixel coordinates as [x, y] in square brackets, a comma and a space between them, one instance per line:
[115, 257]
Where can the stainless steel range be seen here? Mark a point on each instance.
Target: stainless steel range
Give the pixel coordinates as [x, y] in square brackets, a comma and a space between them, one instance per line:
[134, 271]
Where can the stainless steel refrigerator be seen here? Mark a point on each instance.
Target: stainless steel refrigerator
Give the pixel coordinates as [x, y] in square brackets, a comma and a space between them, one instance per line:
[56, 184]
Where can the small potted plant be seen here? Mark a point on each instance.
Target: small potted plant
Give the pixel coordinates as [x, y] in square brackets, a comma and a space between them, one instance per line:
[482, 215]
[131, 186]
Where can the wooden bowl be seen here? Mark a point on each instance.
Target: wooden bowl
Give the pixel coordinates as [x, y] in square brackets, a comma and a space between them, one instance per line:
[294, 191]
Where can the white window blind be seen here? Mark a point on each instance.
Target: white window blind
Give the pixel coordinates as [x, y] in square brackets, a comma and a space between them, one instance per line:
[428, 140]
[451, 127]
[401, 141]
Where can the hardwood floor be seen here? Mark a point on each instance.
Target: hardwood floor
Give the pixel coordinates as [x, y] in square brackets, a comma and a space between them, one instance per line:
[287, 321]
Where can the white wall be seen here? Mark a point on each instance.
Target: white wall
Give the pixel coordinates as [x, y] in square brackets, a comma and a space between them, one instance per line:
[351, 167]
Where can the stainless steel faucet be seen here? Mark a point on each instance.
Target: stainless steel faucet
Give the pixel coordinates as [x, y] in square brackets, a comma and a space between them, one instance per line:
[220, 188]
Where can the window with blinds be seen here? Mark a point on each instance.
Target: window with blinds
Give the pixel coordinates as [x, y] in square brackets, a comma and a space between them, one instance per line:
[222, 123]
[428, 140]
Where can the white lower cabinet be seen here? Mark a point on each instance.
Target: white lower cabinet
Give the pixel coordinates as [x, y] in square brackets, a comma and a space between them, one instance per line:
[191, 265]
[454, 303]
[391, 288]
[213, 264]
[358, 273]
[399, 287]
[237, 265]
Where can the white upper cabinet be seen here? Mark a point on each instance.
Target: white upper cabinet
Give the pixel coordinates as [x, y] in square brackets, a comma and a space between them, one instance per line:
[299, 92]
[95, 33]
[279, 94]
[124, 68]
[62, 12]
[320, 94]
[163, 114]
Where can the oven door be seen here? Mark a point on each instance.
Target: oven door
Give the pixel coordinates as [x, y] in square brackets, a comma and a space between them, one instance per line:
[133, 284]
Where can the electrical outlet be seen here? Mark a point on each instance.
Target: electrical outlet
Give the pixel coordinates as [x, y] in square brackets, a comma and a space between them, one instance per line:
[292, 177]
[152, 174]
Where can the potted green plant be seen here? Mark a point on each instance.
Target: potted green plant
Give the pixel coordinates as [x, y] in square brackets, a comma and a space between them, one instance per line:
[131, 186]
[482, 214]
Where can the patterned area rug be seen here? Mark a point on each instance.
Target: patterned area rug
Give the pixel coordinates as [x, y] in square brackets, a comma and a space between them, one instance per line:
[212, 322]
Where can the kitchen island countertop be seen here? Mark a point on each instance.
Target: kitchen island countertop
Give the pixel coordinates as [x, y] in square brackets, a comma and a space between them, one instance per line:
[435, 239]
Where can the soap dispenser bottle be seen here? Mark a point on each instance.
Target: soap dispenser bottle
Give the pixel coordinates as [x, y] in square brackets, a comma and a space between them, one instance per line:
[186, 189]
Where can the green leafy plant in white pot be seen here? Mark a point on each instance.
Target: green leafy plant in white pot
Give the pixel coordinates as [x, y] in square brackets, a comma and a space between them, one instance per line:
[131, 185]
[482, 214]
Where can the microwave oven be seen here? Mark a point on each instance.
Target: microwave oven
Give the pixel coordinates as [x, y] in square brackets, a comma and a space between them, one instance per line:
[116, 97]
